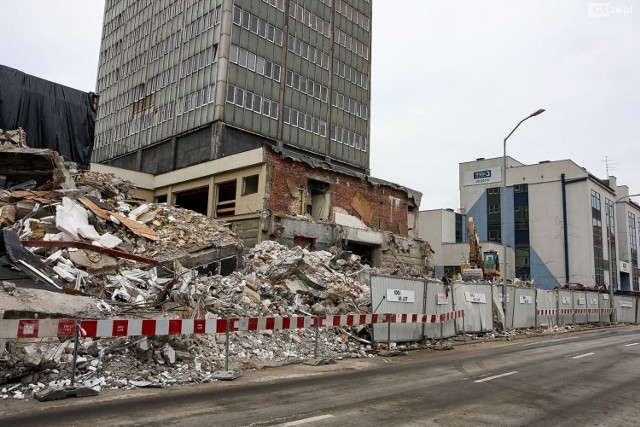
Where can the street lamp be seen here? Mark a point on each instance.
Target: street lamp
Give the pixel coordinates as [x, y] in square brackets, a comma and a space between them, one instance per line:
[612, 247]
[503, 216]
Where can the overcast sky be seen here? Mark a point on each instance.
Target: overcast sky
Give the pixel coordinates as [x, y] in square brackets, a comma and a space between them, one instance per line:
[450, 79]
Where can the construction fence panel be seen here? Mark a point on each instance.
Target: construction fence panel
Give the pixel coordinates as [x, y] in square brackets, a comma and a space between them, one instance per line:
[625, 308]
[397, 295]
[510, 304]
[580, 304]
[593, 303]
[604, 302]
[547, 300]
[439, 301]
[477, 302]
[565, 304]
[524, 302]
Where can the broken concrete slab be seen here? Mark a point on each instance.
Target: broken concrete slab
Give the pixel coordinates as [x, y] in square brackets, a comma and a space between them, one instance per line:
[27, 303]
[94, 262]
[50, 394]
[227, 375]
[109, 241]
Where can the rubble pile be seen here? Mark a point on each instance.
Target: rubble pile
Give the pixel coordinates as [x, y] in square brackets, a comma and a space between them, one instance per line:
[13, 138]
[275, 281]
[83, 234]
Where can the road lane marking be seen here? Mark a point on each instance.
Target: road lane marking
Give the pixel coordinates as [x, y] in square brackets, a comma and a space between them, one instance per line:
[633, 343]
[495, 376]
[305, 421]
[580, 356]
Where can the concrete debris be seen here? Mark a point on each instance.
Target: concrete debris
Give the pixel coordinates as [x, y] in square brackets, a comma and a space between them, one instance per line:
[16, 138]
[61, 222]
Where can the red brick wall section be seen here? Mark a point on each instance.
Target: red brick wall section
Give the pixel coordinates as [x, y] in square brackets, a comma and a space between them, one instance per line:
[389, 204]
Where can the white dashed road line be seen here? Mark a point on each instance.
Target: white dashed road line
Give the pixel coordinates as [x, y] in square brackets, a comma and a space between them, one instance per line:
[580, 356]
[633, 343]
[305, 421]
[495, 376]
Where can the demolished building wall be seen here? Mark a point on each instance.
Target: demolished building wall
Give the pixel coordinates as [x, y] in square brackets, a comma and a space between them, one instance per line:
[293, 185]
[319, 208]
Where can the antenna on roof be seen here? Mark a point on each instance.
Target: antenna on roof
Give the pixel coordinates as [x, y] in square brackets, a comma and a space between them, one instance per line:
[609, 165]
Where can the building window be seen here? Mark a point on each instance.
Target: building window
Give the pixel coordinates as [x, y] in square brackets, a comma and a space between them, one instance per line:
[318, 203]
[633, 244]
[523, 267]
[250, 184]
[226, 199]
[598, 252]
[611, 242]
[252, 102]
[520, 188]
[460, 228]
[494, 221]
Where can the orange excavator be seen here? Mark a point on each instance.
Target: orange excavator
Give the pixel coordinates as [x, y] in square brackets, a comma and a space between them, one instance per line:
[481, 265]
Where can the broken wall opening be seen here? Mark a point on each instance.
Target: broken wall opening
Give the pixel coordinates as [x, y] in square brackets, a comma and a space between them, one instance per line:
[195, 199]
[250, 184]
[369, 254]
[305, 242]
[226, 199]
[318, 202]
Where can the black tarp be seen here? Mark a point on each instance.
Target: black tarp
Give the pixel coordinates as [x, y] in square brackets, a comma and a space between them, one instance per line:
[54, 116]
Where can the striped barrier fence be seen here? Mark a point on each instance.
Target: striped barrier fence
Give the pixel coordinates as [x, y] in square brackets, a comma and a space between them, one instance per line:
[554, 311]
[41, 328]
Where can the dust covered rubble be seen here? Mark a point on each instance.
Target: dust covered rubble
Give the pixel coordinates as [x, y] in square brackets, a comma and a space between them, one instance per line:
[271, 280]
[275, 281]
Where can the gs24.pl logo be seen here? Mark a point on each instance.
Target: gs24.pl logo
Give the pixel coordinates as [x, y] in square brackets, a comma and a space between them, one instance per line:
[605, 10]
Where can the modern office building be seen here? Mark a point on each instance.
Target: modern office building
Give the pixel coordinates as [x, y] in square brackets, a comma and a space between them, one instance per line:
[187, 81]
[255, 111]
[563, 224]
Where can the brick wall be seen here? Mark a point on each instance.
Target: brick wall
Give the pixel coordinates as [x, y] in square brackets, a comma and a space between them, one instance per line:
[380, 207]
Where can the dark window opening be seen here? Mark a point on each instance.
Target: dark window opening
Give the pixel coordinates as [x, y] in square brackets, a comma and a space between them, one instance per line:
[598, 252]
[250, 184]
[459, 228]
[494, 224]
[523, 267]
[365, 252]
[226, 199]
[196, 199]
[318, 203]
[161, 199]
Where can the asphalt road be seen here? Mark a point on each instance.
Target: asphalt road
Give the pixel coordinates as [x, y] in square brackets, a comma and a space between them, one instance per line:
[587, 379]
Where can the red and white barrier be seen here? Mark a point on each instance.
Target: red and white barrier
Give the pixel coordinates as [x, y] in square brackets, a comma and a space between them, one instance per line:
[426, 318]
[40, 328]
[554, 311]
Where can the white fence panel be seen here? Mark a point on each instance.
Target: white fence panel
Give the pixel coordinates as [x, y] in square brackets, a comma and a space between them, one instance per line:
[547, 300]
[580, 303]
[524, 301]
[593, 302]
[605, 302]
[625, 308]
[397, 295]
[477, 302]
[439, 301]
[565, 302]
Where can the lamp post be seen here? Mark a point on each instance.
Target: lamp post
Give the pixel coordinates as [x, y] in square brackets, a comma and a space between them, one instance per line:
[503, 216]
[611, 249]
